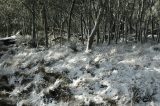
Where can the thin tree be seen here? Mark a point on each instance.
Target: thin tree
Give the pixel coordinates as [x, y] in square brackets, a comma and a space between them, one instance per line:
[45, 24]
[93, 32]
[34, 45]
[70, 19]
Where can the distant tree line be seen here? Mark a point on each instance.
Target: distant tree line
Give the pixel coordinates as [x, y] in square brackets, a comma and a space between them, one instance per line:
[89, 21]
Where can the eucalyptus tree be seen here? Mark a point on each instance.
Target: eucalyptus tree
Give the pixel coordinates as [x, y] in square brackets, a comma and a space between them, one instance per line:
[8, 15]
[96, 24]
[91, 20]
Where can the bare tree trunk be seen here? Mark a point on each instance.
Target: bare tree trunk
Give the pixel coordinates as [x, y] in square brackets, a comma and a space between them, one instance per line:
[146, 30]
[61, 30]
[152, 27]
[140, 20]
[98, 36]
[8, 25]
[136, 37]
[61, 35]
[110, 26]
[7, 30]
[105, 27]
[91, 36]
[158, 36]
[70, 19]
[90, 18]
[117, 22]
[45, 25]
[126, 30]
[82, 39]
[131, 16]
[34, 45]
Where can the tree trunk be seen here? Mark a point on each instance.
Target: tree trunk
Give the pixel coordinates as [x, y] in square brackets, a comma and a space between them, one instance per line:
[98, 36]
[90, 18]
[9, 26]
[91, 36]
[126, 30]
[45, 25]
[152, 25]
[70, 19]
[34, 45]
[104, 31]
[110, 26]
[81, 18]
[158, 38]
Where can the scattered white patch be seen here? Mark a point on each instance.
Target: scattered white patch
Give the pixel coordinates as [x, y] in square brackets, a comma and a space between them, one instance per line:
[105, 73]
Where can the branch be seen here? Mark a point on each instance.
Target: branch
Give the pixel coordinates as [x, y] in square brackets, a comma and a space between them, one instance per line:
[27, 7]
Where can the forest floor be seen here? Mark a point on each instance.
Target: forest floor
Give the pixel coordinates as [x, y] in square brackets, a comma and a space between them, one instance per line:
[115, 75]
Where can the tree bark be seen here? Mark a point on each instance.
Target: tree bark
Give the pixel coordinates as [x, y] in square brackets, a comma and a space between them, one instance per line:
[81, 18]
[91, 36]
[9, 26]
[34, 45]
[70, 19]
[45, 25]
[98, 36]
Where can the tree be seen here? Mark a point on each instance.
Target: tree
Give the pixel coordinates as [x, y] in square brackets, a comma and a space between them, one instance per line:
[44, 18]
[69, 19]
[97, 22]
[103, 20]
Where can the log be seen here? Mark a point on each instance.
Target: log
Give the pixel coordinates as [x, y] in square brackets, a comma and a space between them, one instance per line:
[8, 40]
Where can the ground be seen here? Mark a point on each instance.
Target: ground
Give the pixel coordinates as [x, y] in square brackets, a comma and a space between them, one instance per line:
[115, 75]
